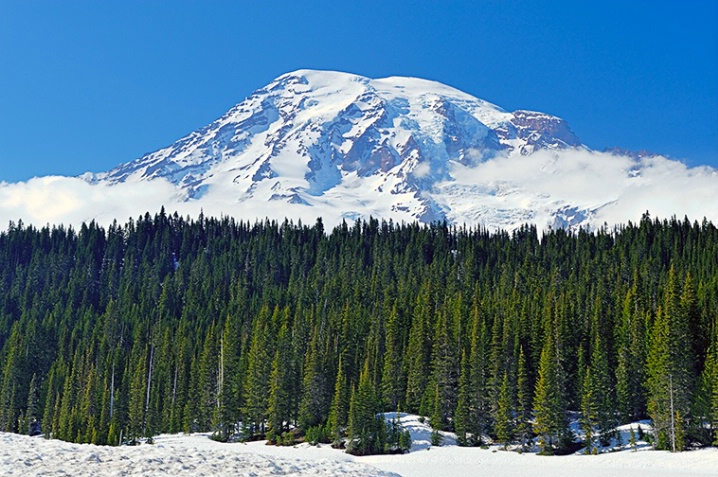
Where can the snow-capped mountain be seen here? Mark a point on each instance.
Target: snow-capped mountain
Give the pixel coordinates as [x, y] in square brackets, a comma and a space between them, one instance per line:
[338, 145]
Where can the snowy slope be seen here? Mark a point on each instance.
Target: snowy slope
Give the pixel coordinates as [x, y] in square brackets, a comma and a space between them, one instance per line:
[340, 146]
[349, 146]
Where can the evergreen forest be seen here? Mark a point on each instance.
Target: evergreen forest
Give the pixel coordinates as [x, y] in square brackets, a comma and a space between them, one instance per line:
[289, 332]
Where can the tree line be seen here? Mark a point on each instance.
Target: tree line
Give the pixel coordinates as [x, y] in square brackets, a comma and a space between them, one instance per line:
[288, 331]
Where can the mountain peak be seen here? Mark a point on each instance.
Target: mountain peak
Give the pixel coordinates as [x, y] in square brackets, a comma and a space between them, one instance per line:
[346, 144]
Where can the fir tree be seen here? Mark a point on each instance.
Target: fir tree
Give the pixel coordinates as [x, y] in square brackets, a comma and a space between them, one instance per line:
[280, 387]
[258, 375]
[523, 411]
[32, 411]
[669, 369]
[589, 410]
[549, 403]
[505, 426]
[365, 427]
[339, 413]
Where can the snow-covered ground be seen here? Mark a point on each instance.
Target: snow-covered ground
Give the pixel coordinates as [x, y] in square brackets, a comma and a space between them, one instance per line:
[197, 455]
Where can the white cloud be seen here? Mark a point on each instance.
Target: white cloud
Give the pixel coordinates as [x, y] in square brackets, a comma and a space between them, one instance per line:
[619, 187]
[500, 190]
[68, 200]
[421, 170]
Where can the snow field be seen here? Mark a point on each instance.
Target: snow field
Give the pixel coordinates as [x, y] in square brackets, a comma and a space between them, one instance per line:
[197, 456]
[194, 455]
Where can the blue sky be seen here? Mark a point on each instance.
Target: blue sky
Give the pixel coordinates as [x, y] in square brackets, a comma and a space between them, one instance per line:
[86, 85]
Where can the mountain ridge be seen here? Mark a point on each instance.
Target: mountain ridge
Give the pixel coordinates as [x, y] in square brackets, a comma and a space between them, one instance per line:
[344, 146]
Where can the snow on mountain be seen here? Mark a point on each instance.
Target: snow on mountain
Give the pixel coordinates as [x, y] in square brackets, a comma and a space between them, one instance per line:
[340, 146]
[349, 146]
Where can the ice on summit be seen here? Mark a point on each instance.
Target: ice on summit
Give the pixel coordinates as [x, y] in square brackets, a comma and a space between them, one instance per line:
[337, 145]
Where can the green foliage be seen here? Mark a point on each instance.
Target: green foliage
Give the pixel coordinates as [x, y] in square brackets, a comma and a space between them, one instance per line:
[588, 409]
[670, 368]
[317, 435]
[366, 429]
[549, 401]
[505, 424]
[632, 439]
[166, 324]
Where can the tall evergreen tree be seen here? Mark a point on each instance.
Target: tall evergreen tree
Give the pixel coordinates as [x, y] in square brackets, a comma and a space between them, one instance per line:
[524, 401]
[549, 401]
[365, 433]
[669, 369]
[280, 386]
[258, 375]
[339, 413]
[505, 425]
[392, 373]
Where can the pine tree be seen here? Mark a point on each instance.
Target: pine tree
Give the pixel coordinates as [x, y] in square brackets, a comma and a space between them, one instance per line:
[32, 412]
[280, 386]
[232, 350]
[122, 328]
[630, 368]
[339, 413]
[461, 415]
[445, 376]
[669, 368]
[523, 411]
[705, 402]
[10, 386]
[364, 435]
[589, 409]
[138, 388]
[602, 391]
[505, 426]
[258, 375]
[392, 373]
[549, 402]
[418, 350]
[316, 387]
[711, 383]
[210, 384]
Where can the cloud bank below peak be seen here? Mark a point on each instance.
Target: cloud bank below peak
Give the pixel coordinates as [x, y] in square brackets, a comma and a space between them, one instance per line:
[502, 192]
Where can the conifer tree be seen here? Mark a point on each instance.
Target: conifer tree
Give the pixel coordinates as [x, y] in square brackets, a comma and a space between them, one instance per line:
[258, 374]
[418, 350]
[366, 428]
[445, 377]
[589, 409]
[392, 373]
[316, 387]
[231, 387]
[339, 412]
[138, 387]
[669, 369]
[122, 328]
[549, 402]
[461, 415]
[210, 382]
[630, 368]
[523, 411]
[710, 386]
[32, 412]
[12, 371]
[602, 391]
[505, 426]
[280, 386]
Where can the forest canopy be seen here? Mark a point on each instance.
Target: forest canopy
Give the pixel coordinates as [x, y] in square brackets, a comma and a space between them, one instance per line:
[287, 331]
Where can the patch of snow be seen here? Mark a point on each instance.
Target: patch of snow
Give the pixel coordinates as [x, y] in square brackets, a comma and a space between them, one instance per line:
[197, 456]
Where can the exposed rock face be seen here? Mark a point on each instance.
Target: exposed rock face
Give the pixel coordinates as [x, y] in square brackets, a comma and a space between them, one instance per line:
[540, 131]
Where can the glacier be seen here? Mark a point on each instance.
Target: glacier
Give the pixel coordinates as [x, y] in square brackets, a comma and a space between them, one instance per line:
[342, 146]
